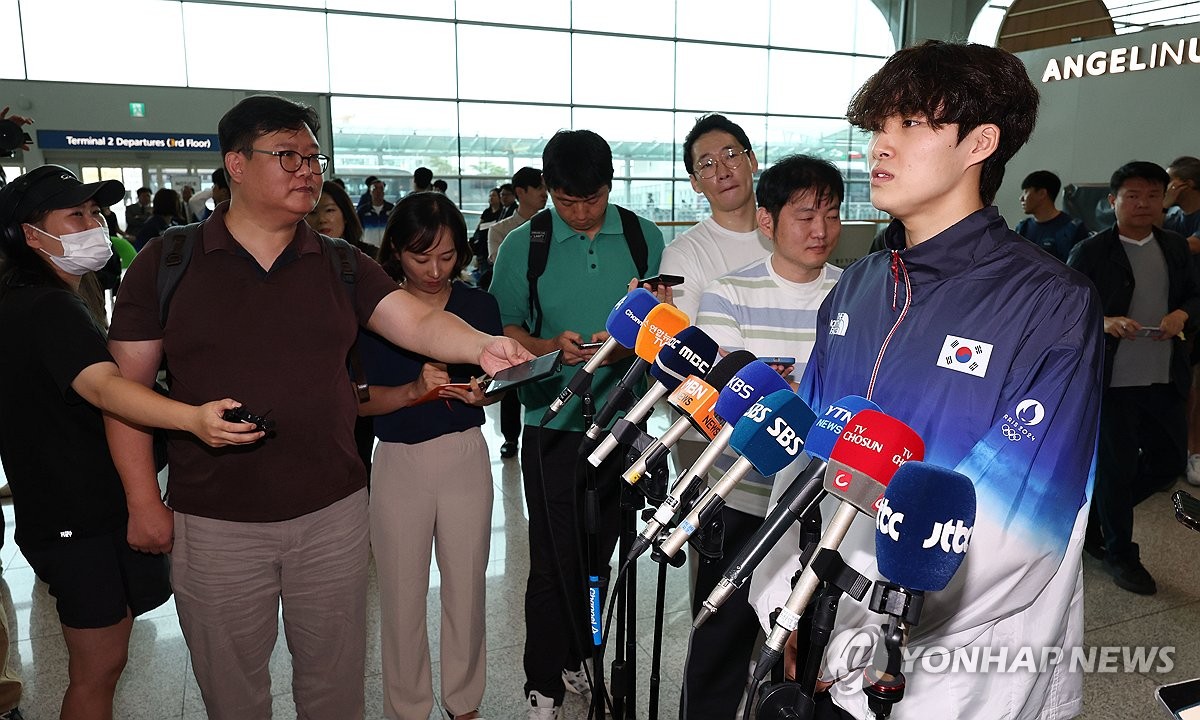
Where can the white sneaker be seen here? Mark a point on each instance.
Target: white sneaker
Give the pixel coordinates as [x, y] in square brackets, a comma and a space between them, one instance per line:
[1193, 470]
[577, 682]
[542, 707]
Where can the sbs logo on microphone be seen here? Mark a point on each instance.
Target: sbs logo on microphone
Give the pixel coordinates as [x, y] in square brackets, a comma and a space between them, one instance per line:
[787, 438]
[757, 412]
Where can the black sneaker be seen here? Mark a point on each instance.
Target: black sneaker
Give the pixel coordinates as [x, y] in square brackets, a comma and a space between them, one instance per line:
[508, 450]
[1129, 574]
[14, 714]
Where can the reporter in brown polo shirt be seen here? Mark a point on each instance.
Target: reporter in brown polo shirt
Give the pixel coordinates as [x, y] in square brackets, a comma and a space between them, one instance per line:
[261, 313]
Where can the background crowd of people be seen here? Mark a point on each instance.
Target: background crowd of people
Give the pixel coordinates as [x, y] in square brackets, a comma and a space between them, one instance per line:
[399, 300]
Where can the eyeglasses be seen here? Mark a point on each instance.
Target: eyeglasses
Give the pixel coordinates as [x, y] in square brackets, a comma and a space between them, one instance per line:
[291, 161]
[730, 158]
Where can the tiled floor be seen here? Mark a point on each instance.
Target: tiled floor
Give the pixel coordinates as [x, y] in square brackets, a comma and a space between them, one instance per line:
[158, 683]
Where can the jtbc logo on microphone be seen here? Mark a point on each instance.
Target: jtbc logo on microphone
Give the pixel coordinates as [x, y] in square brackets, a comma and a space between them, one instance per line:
[888, 521]
[953, 536]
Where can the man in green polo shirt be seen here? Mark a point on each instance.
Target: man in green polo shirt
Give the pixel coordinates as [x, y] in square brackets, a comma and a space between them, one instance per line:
[588, 270]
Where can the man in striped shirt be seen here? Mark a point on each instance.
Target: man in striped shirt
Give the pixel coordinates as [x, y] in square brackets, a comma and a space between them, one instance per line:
[768, 307]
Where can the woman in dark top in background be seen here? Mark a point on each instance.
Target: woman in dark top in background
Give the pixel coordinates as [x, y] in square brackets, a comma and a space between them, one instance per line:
[55, 380]
[167, 208]
[431, 481]
[334, 215]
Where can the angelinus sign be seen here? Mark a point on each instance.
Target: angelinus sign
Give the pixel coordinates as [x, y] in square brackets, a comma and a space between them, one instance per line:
[100, 140]
[1133, 58]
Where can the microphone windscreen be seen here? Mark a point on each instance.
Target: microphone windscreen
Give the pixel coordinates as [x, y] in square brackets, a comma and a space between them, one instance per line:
[625, 320]
[692, 353]
[828, 428]
[771, 433]
[727, 367]
[752, 383]
[871, 447]
[658, 330]
[694, 398]
[924, 526]
[691, 392]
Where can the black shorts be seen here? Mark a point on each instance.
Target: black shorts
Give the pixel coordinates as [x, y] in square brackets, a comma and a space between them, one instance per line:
[98, 580]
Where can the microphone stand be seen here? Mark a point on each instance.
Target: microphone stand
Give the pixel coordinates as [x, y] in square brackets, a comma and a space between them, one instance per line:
[794, 700]
[623, 673]
[903, 608]
[591, 527]
[623, 669]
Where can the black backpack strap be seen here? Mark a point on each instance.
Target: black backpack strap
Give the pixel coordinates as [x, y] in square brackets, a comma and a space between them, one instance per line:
[540, 229]
[177, 246]
[631, 227]
[344, 260]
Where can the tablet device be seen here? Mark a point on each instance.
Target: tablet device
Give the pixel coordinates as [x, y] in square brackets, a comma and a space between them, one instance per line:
[1181, 700]
[536, 369]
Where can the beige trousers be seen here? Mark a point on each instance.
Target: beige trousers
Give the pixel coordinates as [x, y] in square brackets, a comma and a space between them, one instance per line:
[433, 496]
[230, 579]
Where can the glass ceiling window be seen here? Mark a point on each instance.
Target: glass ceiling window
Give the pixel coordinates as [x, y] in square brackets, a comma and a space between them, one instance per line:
[444, 83]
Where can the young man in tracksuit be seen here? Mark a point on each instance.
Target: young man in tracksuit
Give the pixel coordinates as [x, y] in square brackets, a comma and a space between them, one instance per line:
[991, 350]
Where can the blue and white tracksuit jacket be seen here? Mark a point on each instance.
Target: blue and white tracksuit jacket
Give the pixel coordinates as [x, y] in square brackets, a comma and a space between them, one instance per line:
[991, 350]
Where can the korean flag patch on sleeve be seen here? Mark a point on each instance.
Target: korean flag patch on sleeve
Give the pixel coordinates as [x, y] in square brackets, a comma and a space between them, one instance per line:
[965, 355]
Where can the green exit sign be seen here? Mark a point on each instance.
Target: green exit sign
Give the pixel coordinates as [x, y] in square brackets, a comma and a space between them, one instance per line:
[137, 109]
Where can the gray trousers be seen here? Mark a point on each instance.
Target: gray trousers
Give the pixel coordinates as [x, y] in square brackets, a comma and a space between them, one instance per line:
[230, 579]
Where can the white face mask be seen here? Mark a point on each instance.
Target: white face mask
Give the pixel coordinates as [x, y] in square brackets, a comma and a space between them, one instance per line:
[82, 251]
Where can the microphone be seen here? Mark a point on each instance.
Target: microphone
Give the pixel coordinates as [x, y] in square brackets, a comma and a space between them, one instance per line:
[864, 458]
[696, 400]
[768, 437]
[752, 381]
[805, 491]
[623, 324]
[690, 352]
[658, 330]
[924, 526]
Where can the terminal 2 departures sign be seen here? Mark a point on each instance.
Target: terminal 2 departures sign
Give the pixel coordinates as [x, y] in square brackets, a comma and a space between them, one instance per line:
[126, 141]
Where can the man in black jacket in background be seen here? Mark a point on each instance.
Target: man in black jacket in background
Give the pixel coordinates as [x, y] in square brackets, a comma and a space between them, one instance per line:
[1150, 296]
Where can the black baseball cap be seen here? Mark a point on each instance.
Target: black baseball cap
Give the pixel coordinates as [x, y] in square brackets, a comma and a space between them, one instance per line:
[52, 187]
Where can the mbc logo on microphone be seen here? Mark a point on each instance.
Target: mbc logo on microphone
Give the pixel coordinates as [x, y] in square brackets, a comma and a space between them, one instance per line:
[951, 535]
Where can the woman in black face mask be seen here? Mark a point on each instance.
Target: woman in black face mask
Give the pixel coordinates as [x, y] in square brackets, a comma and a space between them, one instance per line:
[55, 381]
